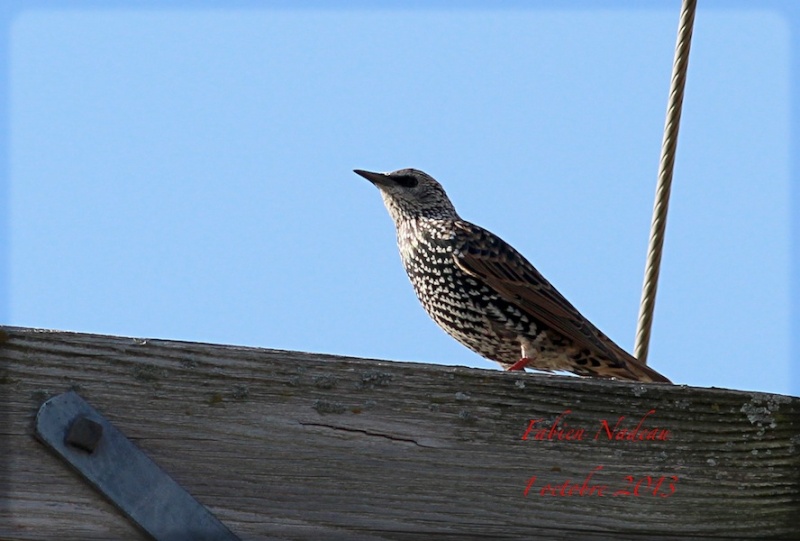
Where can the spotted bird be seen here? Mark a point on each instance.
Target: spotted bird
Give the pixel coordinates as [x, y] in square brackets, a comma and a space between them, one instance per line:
[486, 295]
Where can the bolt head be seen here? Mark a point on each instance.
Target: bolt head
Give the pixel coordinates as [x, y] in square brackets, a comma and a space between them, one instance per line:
[84, 433]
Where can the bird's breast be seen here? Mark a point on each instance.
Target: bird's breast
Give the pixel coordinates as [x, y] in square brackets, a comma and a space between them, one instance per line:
[425, 240]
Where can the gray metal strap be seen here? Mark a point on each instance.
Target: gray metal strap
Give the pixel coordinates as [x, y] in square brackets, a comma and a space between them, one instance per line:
[118, 469]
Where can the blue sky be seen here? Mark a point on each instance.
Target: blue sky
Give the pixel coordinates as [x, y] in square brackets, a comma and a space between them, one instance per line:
[186, 173]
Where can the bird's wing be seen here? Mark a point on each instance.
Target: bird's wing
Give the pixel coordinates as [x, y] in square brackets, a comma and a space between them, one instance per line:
[488, 258]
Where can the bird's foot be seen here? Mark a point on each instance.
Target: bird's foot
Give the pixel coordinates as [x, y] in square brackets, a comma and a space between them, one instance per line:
[520, 364]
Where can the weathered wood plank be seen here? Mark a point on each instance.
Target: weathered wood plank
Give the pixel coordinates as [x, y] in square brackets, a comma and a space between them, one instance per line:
[288, 445]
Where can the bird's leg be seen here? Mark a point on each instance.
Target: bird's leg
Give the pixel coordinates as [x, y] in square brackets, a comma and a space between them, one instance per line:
[528, 354]
[520, 364]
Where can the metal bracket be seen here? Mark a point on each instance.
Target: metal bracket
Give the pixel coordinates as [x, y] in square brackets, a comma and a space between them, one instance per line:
[114, 466]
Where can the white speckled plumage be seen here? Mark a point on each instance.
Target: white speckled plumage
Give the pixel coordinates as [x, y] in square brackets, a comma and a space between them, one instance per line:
[485, 294]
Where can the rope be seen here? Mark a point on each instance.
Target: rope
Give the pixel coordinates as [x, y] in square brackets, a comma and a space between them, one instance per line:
[668, 145]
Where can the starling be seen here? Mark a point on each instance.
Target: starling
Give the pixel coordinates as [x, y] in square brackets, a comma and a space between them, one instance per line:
[486, 295]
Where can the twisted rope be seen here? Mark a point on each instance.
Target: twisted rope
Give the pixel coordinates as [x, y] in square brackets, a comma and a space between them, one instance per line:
[668, 145]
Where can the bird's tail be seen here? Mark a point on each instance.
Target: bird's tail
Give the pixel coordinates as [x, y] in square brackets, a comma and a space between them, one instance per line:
[642, 372]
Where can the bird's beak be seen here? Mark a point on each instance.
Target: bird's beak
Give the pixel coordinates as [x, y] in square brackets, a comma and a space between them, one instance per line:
[378, 179]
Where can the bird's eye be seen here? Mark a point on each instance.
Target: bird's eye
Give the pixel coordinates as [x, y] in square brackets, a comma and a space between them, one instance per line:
[406, 181]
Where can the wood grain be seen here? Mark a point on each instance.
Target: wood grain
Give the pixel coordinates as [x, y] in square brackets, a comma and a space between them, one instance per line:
[290, 445]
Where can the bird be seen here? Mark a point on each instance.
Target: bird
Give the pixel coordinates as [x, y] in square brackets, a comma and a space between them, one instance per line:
[486, 295]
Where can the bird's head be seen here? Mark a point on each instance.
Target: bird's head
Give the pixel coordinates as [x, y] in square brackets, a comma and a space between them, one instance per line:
[410, 194]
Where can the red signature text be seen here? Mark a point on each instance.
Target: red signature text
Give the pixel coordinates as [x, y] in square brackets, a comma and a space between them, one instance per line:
[560, 430]
[661, 487]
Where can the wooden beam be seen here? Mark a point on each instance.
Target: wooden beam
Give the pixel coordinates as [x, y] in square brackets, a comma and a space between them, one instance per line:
[289, 445]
